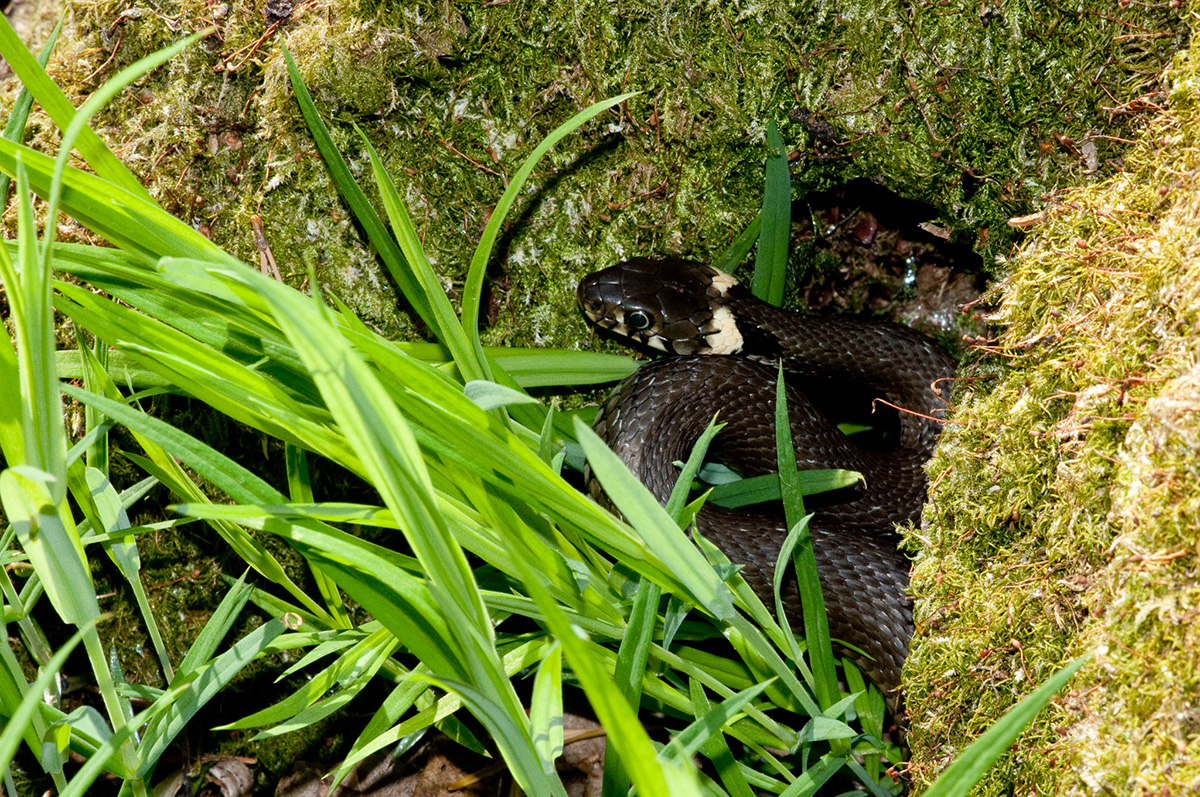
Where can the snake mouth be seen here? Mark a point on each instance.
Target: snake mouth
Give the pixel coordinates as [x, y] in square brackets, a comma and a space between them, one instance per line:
[718, 335]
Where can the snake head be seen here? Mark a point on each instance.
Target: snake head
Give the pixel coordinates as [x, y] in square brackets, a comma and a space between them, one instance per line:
[673, 305]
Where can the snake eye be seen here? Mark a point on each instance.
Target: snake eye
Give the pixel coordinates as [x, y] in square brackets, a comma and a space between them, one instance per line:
[638, 320]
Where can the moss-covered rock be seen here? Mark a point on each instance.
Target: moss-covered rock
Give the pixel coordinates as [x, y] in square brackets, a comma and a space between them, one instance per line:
[1065, 516]
[981, 110]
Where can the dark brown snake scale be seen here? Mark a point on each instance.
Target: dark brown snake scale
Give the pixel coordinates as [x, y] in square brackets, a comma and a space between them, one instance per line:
[653, 418]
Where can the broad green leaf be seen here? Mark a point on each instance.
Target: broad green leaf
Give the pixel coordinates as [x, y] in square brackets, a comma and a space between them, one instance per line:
[56, 743]
[489, 395]
[824, 728]
[89, 723]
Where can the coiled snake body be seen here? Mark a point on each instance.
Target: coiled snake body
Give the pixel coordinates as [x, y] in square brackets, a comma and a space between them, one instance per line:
[655, 416]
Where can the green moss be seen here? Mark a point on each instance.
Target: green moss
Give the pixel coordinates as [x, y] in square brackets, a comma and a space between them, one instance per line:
[1065, 514]
[980, 110]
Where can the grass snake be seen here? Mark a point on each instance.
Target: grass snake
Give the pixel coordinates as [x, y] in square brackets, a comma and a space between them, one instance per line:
[727, 345]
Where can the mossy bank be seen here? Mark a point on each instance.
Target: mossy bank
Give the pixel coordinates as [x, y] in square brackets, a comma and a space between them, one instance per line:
[1065, 513]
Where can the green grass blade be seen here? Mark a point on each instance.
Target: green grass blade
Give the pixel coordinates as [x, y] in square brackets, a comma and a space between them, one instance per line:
[200, 687]
[560, 368]
[44, 441]
[660, 532]
[51, 98]
[360, 206]
[868, 703]
[546, 708]
[538, 367]
[815, 776]
[448, 327]
[812, 601]
[770, 264]
[632, 656]
[12, 445]
[384, 443]
[52, 547]
[683, 484]
[156, 437]
[758, 489]
[750, 636]
[13, 686]
[716, 748]
[124, 218]
[736, 252]
[875, 788]
[428, 396]
[78, 125]
[218, 625]
[972, 763]
[625, 732]
[788, 553]
[124, 553]
[689, 741]
[24, 103]
[238, 390]
[382, 439]
[355, 666]
[23, 717]
[405, 604]
[300, 490]
[473, 288]
[383, 732]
